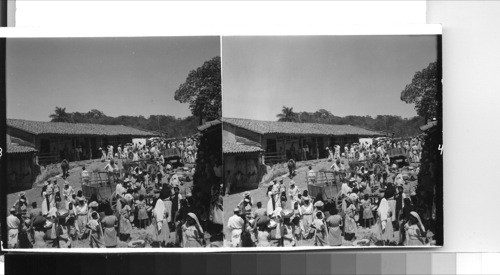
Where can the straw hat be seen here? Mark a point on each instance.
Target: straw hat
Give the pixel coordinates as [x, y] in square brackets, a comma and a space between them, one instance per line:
[277, 212]
[353, 197]
[128, 197]
[94, 204]
[62, 212]
[262, 220]
[287, 213]
[237, 210]
[272, 224]
[319, 204]
[246, 194]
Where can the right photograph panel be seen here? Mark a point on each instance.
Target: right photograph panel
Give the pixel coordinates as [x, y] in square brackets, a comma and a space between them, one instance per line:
[332, 141]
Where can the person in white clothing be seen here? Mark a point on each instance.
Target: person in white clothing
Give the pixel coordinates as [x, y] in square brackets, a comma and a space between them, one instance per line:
[13, 224]
[293, 192]
[235, 224]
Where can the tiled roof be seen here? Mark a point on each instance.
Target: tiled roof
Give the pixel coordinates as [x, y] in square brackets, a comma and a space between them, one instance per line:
[428, 125]
[230, 147]
[63, 128]
[295, 128]
[209, 124]
[19, 149]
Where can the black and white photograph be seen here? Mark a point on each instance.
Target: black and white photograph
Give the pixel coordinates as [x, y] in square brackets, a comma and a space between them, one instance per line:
[111, 144]
[332, 141]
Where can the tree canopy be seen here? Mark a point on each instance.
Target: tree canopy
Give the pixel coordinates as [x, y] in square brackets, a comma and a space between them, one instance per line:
[287, 114]
[400, 127]
[60, 115]
[423, 91]
[202, 91]
[169, 126]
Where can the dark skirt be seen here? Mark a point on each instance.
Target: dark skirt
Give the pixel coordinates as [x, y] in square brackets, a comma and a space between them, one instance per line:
[349, 236]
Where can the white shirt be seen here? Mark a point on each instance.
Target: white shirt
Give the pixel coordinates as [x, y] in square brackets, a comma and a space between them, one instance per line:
[311, 173]
[174, 180]
[345, 189]
[13, 222]
[120, 190]
[235, 222]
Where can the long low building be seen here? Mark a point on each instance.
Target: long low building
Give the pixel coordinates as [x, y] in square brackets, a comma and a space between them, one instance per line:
[55, 141]
[284, 140]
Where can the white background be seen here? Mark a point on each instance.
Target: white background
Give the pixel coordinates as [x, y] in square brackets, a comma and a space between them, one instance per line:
[471, 67]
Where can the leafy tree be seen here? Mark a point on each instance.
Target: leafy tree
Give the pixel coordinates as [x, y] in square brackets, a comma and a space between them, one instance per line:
[166, 125]
[401, 127]
[287, 114]
[202, 90]
[423, 91]
[60, 115]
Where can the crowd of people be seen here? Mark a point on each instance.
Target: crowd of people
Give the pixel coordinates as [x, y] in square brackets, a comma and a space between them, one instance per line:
[152, 195]
[378, 149]
[186, 148]
[375, 204]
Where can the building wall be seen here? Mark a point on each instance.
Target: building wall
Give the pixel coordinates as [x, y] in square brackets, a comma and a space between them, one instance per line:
[20, 172]
[243, 171]
[54, 148]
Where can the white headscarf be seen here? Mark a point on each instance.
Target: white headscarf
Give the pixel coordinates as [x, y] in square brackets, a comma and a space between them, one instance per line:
[193, 216]
[159, 212]
[383, 209]
[415, 214]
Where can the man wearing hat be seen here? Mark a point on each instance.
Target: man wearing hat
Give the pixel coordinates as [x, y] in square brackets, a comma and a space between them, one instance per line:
[245, 206]
[345, 188]
[246, 196]
[21, 205]
[85, 176]
[293, 192]
[67, 193]
[13, 224]
[103, 153]
[81, 211]
[120, 188]
[93, 208]
[235, 225]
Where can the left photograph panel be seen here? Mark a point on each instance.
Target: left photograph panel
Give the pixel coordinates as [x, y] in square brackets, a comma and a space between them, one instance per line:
[113, 143]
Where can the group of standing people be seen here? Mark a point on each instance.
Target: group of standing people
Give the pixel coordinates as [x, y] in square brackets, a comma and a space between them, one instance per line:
[377, 150]
[375, 205]
[187, 150]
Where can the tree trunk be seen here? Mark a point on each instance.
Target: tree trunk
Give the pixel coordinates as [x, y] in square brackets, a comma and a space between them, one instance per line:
[200, 120]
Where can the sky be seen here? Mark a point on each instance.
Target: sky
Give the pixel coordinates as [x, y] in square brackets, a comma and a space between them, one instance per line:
[346, 75]
[119, 76]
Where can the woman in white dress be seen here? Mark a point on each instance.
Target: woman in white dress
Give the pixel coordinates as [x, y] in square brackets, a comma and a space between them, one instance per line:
[270, 205]
[384, 229]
